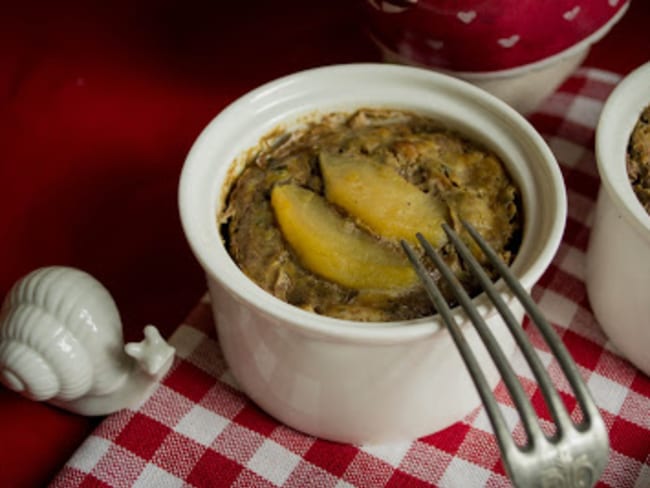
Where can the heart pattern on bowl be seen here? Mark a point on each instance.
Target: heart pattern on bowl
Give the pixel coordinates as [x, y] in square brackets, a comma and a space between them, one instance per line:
[571, 14]
[466, 17]
[508, 42]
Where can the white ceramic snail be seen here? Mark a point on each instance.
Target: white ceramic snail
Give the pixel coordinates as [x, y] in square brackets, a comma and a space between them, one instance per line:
[61, 342]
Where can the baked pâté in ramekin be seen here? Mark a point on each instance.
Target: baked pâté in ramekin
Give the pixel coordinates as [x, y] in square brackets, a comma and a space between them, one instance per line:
[317, 215]
[638, 159]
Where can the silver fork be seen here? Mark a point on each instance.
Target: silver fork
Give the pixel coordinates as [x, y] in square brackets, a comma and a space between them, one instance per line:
[576, 454]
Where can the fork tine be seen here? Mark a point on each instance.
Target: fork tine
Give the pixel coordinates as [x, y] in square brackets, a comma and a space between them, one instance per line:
[519, 397]
[506, 443]
[553, 400]
[577, 454]
[568, 366]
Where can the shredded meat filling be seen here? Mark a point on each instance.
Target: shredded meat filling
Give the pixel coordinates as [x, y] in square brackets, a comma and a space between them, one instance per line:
[638, 159]
[459, 178]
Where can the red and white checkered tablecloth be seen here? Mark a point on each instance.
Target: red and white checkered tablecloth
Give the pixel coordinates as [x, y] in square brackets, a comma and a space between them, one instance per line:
[198, 429]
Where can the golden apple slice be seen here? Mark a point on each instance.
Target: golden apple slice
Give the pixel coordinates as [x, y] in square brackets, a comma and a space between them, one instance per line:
[381, 199]
[334, 248]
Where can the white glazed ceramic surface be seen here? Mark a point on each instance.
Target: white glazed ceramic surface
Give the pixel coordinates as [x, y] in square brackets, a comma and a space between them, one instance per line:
[61, 342]
[618, 258]
[526, 89]
[523, 88]
[341, 380]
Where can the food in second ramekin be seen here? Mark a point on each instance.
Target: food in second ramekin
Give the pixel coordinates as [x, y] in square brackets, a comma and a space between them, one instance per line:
[317, 214]
[638, 159]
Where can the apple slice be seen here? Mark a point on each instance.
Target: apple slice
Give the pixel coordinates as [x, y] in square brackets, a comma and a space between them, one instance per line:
[381, 199]
[334, 248]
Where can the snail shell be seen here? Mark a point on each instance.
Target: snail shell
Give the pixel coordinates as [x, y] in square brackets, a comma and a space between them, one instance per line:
[61, 337]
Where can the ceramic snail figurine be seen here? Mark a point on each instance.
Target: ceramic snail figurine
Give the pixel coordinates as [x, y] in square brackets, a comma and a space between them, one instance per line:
[61, 342]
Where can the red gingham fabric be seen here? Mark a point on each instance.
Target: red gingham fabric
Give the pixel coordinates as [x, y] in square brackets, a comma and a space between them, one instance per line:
[198, 429]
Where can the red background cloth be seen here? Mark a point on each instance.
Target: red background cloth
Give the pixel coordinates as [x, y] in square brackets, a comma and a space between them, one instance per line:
[99, 105]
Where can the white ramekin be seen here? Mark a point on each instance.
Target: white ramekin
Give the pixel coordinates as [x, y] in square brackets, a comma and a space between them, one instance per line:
[341, 380]
[618, 257]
